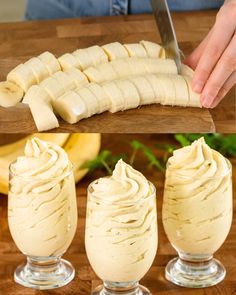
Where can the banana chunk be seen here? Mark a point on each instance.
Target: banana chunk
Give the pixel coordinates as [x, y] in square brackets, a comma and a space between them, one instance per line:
[130, 94]
[53, 88]
[181, 91]
[186, 71]
[144, 88]
[122, 67]
[137, 65]
[169, 89]
[10, 94]
[51, 62]
[157, 87]
[115, 50]
[136, 50]
[93, 75]
[77, 77]
[38, 69]
[117, 100]
[194, 98]
[101, 73]
[89, 100]
[153, 50]
[68, 61]
[36, 92]
[70, 107]
[104, 103]
[22, 76]
[65, 81]
[97, 55]
[43, 114]
[160, 66]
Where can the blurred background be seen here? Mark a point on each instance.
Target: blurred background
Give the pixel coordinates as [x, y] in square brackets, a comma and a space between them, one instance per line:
[12, 10]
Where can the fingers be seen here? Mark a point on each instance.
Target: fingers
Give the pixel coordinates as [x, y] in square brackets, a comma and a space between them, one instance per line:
[230, 82]
[222, 33]
[222, 71]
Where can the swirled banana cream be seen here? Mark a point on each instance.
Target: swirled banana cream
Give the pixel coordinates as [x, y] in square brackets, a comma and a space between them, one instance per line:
[121, 225]
[42, 201]
[197, 207]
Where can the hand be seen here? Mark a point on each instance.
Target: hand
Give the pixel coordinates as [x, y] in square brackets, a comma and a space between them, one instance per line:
[214, 60]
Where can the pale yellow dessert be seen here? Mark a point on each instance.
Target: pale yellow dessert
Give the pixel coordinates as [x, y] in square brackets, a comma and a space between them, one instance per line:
[121, 225]
[197, 208]
[42, 200]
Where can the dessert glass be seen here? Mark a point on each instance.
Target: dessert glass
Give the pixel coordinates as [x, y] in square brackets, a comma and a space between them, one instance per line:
[42, 216]
[121, 242]
[197, 216]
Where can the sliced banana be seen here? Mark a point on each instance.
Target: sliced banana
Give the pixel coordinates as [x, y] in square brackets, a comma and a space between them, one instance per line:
[97, 55]
[90, 101]
[51, 62]
[153, 50]
[70, 107]
[186, 71]
[10, 94]
[157, 88]
[52, 87]
[22, 76]
[122, 67]
[77, 76]
[38, 68]
[136, 50]
[144, 88]
[130, 94]
[181, 91]
[67, 83]
[36, 92]
[93, 75]
[83, 58]
[160, 66]
[68, 61]
[169, 89]
[117, 100]
[136, 65]
[194, 98]
[107, 72]
[104, 103]
[115, 50]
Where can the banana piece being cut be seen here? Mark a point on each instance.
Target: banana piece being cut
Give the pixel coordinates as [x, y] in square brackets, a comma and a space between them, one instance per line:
[117, 100]
[194, 98]
[68, 61]
[186, 71]
[181, 91]
[38, 69]
[51, 62]
[23, 76]
[136, 50]
[144, 88]
[10, 94]
[89, 100]
[130, 94]
[78, 77]
[115, 50]
[153, 50]
[157, 88]
[104, 103]
[34, 92]
[70, 107]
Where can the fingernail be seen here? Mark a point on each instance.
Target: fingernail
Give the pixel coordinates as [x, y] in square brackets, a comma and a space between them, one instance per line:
[207, 100]
[197, 87]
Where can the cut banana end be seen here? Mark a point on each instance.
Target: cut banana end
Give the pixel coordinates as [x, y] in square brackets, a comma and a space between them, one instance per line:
[70, 107]
[194, 98]
[115, 95]
[51, 62]
[90, 101]
[102, 98]
[130, 94]
[10, 94]
[43, 114]
[144, 88]
[36, 92]
[68, 61]
[136, 50]
[115, 50]
[153, 50]
[38, 69]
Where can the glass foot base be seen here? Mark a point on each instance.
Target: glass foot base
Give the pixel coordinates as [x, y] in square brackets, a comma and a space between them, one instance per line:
[138, 290]
[44, 275]
[194, 274]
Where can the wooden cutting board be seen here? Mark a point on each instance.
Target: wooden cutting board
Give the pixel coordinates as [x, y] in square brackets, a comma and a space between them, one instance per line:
[20, 41]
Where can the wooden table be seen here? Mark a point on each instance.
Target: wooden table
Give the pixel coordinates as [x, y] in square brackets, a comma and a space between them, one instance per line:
[85, 278]
[20, 41]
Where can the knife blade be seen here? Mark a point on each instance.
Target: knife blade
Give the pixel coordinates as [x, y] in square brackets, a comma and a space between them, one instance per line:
[167, 32]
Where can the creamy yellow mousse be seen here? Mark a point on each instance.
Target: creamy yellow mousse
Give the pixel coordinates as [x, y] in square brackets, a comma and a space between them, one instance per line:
[121, 225]
[197, 208]
[42, 201]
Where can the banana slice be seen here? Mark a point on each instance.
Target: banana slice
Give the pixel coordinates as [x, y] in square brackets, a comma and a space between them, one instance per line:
[115, 50]
[160, 66]
[157, 88]
[117, 101]
[65, 81]
[169, 89]
[107, 72]
[93, 75]
[70, 107]
[102, 98]
[90, 101]
[136, 50]
[43, 114]
[38, 68]
[186, 71]
[153, 50]
[68, 61]
[137, 65]
[122, 67]
[22, 76]
[53, 88]
[10, 94]
[97, 55]
[77, 77]
[194, 98]
[36, 92]
[82, 58]
[130, 94]
[181, 91]
[144, 88]
[51, 62]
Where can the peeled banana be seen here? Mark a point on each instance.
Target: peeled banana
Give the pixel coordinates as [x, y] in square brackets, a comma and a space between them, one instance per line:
[10, 94]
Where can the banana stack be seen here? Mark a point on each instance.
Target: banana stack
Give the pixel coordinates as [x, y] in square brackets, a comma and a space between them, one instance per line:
[90, 81]
[80, 148]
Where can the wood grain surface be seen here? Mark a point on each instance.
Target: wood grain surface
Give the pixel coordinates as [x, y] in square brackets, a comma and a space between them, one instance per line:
[85, 278]
[20, 41]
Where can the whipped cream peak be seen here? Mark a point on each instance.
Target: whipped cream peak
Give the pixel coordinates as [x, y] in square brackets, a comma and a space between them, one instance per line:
[34, 147]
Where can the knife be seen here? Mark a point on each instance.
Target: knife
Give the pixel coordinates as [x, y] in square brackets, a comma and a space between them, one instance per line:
[167, 32]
